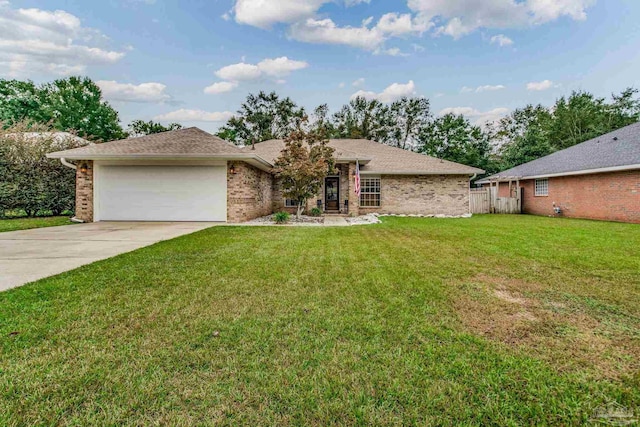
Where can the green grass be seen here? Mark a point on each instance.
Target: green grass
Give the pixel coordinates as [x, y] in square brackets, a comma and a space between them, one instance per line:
[400, 323]
[14, 224]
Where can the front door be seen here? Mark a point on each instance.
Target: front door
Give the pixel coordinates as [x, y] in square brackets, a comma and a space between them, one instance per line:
[331, 192]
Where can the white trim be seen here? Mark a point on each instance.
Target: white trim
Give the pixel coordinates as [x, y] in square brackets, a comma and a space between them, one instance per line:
[554, 175]
[414, 173]
[259, 161]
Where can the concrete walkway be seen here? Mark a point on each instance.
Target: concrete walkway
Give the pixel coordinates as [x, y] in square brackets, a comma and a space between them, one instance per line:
[29, 255]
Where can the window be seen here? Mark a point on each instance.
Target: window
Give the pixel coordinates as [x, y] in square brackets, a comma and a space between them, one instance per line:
[370, 192]
[542, 187]
[290, 203]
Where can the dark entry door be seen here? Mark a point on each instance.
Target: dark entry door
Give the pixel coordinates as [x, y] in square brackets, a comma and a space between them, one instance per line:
[331, 192]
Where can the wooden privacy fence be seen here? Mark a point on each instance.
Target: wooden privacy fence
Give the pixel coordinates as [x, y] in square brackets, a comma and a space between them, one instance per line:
[486, 200]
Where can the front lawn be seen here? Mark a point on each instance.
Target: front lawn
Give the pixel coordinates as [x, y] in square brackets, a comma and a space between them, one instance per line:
[14, 224]
[508, 320]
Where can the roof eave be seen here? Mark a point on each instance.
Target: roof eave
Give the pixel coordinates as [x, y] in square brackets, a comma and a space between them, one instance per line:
[144, 156]
[420, 172]
[498, 178]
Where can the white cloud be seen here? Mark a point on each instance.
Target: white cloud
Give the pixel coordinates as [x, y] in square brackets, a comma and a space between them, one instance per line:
[395, 24]
[325, 31]
[185, 115]
[393, 51]
[35, 41]
[341, 85]
[501, 40]
[358, 82]
[461, 17]
[282, 66]
[480, 118]
[480, 89]
[489, 88]
[127, 92]
[277, 67]
[540, 86]
[265, 13]
[220, 87]
[239, 72]
[392, 93]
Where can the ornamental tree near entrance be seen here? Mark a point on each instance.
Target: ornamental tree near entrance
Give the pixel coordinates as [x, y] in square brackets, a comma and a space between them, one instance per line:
[302, 165]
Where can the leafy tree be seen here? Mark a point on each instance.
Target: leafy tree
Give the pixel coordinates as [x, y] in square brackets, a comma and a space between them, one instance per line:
[141, 128]
[363, 118]
[28, 180]
[74, 105]
[524, 135]
[453, 138]
[409, 116]
[302, 165]
[321, 121]
[20, 101]
[262, 117]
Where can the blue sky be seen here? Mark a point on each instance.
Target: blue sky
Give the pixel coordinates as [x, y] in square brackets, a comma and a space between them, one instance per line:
[156, 59]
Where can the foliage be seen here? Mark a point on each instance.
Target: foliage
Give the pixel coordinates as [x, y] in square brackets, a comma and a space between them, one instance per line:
[262, 117]
[281, 217]
[315, 212]
[453, 138]
[302, 165]
[334, 326]
[363, 118]
[72, 105]
[140, 128]
[409, 117]
[28, 180]
[535, 131]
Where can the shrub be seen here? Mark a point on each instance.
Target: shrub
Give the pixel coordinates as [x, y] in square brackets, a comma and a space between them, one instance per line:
[281, 217]
[316, 212]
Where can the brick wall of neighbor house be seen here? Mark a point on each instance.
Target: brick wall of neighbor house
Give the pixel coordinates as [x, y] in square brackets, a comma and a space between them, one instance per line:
[611, 196]
[423, 194]
[249, 192]
[84, 192]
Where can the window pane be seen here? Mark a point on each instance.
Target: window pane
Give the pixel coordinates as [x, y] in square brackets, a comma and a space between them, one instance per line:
[370, 192]
[542, 187]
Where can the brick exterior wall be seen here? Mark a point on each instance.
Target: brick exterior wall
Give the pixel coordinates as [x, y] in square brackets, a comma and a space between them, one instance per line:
[344, 192]
[423, 194]
[611, 196]
[249, 192]
[84, 192]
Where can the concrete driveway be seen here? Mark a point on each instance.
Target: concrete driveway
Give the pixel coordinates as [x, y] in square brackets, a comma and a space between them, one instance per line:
[29, 255]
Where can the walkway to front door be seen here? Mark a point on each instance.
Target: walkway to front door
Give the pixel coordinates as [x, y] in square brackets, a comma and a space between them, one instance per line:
[331, 193]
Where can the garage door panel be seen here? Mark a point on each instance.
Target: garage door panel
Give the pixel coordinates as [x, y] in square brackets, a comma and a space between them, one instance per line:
[161, 193]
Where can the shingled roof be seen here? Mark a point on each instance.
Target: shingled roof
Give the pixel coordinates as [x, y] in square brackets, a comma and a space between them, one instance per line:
[617, 150]
[375, 158]
[195, 143]
[181, 143]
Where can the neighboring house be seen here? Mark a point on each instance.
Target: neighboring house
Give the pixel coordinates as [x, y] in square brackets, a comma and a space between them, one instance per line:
[191, 175]
[597, 179]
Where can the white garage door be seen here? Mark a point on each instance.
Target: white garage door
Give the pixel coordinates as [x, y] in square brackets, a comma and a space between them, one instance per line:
[160, 193]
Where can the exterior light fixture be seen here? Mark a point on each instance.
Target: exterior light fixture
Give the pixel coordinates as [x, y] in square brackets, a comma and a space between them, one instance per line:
[232, 170]
[84, 167]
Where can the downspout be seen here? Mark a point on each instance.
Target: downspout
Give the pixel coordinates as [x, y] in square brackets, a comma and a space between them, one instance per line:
[67, 164]
[74, 167]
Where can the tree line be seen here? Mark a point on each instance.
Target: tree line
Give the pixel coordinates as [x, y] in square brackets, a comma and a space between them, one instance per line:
[525, 134]
[76, 105]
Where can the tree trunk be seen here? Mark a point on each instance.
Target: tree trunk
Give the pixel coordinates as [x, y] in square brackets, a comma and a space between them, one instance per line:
[301, 205]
